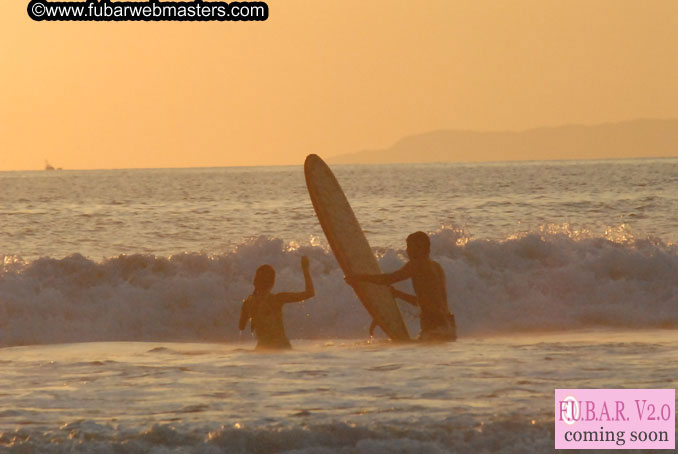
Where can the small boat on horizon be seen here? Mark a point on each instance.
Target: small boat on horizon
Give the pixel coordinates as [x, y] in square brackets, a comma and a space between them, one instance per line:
[49, 166]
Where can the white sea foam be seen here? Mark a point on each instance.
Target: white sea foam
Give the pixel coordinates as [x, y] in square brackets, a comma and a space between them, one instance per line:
[541, 281]
[424, 437]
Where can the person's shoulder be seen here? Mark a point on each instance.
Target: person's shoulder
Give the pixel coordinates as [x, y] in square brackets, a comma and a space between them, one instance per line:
[248, 302]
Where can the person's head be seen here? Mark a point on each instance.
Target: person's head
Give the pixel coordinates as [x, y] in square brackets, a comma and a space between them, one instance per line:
[264, 278]
[418, 245]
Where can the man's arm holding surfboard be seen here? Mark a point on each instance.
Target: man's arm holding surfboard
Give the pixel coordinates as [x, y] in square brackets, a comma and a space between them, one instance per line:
[388, 279]
[381, 279]
[412, 299]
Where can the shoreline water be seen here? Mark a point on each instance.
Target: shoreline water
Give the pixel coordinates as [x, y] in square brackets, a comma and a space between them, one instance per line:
[330, 396]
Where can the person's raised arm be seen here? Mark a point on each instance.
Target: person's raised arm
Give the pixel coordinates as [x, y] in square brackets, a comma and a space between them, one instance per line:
[309, 291]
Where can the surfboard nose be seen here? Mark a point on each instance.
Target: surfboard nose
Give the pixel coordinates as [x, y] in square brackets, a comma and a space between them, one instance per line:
[310, 159]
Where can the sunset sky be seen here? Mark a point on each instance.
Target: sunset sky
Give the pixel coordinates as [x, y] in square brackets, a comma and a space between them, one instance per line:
[326, 77]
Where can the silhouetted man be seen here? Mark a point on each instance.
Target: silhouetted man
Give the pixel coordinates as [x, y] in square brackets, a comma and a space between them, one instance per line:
[428, 280]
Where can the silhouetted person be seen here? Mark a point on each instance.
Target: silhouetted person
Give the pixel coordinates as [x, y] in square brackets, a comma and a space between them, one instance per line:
[428, 280]
[265, 308]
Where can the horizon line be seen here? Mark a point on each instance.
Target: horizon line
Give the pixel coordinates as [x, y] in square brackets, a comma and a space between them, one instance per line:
[525, 161]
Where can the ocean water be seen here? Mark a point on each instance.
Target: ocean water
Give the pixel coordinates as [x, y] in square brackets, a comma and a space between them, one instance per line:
[477, 395]
[120, 292]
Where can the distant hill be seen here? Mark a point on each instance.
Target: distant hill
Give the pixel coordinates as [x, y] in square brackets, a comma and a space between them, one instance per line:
[629, 139]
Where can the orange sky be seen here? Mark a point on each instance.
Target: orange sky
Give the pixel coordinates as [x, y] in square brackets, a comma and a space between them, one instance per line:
[326, 77]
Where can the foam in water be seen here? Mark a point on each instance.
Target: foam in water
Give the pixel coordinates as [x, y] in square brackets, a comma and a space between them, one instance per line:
[426, 438]
[547, 280]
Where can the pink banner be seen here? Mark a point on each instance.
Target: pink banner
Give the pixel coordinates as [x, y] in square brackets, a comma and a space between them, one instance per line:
[615, 418]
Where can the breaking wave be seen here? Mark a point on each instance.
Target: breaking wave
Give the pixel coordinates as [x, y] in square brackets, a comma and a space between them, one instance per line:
[546, 280]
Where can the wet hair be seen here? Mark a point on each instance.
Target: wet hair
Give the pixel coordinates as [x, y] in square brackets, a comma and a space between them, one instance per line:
[264, 278]
[419, 242]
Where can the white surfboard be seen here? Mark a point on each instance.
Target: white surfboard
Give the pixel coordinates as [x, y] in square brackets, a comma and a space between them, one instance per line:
[350, 246]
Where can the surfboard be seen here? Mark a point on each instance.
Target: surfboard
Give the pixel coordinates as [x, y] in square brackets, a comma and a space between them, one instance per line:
[350, 246]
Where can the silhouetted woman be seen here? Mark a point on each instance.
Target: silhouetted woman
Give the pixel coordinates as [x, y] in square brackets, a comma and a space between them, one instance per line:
[265, 308]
